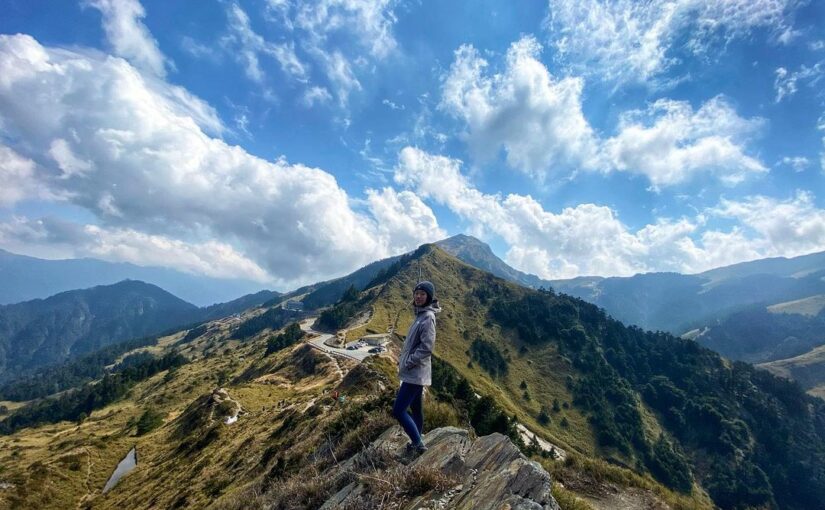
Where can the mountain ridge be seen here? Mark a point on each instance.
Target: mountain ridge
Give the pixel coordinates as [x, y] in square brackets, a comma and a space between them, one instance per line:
[26, 278]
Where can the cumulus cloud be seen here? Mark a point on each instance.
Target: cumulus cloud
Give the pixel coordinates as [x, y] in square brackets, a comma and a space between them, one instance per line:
[536, 118]
[402, 218]
[538, 121]
[17, 173]
[211, 258]
[630, 41]
[790, 227]
[670, 142]
[134, 152]
[128, 36]
[590, 239]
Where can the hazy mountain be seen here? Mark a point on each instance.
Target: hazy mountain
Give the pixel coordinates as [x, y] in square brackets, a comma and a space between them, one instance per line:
[46, 331]
[658, 407]
[759, 334]
[24, 278]
[677, 303]
[807, 369]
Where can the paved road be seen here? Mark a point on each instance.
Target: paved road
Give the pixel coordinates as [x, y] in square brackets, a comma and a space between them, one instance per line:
[318, 342]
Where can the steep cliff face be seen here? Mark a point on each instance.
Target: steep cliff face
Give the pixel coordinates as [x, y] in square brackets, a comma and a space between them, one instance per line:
[456, 471]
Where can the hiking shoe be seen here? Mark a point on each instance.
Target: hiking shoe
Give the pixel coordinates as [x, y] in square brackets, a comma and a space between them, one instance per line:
[411, 448]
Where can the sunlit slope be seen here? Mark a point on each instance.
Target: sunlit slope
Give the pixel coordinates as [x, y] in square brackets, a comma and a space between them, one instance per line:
[652, 401]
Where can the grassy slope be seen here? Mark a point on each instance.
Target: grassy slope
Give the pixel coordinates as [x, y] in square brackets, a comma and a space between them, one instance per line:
[461, 321]
[542, 368]
[809, 306]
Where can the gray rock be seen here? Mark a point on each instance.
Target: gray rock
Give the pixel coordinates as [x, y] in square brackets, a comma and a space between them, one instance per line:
[490, 473]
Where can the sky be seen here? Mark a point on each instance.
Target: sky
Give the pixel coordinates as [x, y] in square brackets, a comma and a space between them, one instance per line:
[291, 141]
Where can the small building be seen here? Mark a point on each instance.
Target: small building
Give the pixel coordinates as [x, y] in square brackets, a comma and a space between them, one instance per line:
[294, 305]
[377, 339]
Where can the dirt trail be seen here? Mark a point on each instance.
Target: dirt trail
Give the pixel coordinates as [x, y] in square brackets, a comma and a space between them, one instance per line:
[87, 483]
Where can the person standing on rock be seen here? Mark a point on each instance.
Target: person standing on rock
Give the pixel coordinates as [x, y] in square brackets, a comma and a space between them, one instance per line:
[415, 365]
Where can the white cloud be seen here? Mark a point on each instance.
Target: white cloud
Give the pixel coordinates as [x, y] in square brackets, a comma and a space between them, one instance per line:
[681, 142]
[798, 163]
[17, 174]
[590, 239]
[631, 41]
[370, 20]
[820, 125]
[333, 32]
[128, 36]
[403, 219]
[141, 163]
[786, 82]
[536, 119]
[340, 74]
[316, 95]
[61, 152]
[783, 227]
[290, 63]
[211, 258]
[392, 105]
[248, 45]
[540, 125]
[198, 50]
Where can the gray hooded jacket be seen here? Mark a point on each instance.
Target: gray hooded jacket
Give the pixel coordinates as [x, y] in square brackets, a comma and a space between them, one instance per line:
[415, 362]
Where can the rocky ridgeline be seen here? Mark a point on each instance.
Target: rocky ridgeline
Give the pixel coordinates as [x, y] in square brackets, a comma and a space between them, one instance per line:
[456, 472]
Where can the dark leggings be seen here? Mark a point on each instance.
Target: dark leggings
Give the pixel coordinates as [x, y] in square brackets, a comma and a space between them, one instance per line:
[409, 395]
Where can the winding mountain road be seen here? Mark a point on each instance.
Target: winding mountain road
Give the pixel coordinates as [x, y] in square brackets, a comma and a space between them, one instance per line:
[318, 343]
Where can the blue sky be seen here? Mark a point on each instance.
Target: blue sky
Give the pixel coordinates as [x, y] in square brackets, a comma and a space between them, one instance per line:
[288, 141]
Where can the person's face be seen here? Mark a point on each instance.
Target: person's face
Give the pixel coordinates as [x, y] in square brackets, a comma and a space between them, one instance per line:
[419, 297]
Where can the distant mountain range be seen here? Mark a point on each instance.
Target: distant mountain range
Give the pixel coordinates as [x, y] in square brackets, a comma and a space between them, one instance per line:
[726, 309]
[49, 331]
[677, 303]
[24, 278]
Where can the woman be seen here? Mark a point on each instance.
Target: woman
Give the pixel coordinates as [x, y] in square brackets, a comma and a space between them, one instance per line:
[415, 365]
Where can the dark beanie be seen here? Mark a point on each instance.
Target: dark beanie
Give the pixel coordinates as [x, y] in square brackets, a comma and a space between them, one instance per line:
[427, 287]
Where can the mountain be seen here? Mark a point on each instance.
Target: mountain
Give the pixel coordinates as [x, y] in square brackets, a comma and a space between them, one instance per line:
[630, 418]
[471, 251]
[678, 303]
[760, 334]
[26, 278]
[807, 369]
[466, 248]
[50, 331]
[46, 331]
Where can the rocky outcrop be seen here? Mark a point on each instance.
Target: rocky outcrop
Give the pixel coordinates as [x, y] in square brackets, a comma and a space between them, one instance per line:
[488, 473]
